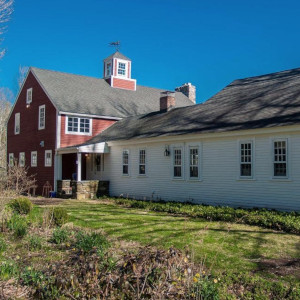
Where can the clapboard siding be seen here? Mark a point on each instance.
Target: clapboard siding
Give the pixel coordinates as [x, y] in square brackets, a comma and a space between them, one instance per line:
[220, 183]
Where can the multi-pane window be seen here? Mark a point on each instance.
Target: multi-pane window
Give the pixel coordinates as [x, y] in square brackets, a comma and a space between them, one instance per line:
[78, 125]
[22, 159]
[280, 158]
[11, 159]
[48, 158]
[108, 69]
[194, 162]
[42, 116]
[177, 163]
[246, 159]
[121, 69]
[17, 123]
[142, 162]
[34, 158]
[29, 96]
[125, 162]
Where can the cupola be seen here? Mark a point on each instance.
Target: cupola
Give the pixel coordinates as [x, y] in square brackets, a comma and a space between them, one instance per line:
[117, 72]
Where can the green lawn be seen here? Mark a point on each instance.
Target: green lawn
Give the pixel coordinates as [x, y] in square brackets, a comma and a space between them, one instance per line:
[235, 248]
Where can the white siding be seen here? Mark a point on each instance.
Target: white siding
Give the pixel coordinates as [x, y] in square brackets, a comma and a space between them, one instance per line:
[219, 182]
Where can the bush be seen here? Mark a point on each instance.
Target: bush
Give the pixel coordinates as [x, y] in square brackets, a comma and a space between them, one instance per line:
[59, 236]
[60, 216]
[34, 242]
[21, 206]
[87, 242]
[277, 220]
[18, 225]
[8, 269]
[3, 246]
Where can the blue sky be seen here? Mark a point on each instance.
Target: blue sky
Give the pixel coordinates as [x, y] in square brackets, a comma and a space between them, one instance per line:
[208, 43]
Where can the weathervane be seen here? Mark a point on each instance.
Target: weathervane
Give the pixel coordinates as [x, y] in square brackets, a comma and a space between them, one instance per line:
[116, 44]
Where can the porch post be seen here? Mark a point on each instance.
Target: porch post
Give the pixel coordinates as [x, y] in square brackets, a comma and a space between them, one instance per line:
[78, 166]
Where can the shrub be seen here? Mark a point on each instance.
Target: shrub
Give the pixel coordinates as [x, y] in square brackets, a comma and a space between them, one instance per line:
[59, 236]
[34, 242]
[3, 246]
[18, 225]
[8, 269]
[21, 206]
[87, 242]
[60, 216]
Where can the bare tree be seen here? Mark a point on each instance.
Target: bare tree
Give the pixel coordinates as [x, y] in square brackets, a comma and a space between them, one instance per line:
[22, 75]
[6, 9]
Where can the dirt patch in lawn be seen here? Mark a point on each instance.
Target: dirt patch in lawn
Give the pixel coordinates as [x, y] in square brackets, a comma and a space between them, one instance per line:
[280, 267]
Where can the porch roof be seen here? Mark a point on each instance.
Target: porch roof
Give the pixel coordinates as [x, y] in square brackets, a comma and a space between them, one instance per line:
[101, 147]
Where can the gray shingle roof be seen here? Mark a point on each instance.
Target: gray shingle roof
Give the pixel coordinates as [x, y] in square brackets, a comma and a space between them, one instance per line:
[118, 54]
[89, 95]
[251, 103]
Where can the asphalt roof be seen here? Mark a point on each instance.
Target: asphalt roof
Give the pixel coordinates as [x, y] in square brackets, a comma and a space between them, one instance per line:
[118, 54]
[89, 95]
[256, 102]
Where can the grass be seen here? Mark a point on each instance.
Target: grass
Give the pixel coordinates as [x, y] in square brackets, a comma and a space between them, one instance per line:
[224, 246]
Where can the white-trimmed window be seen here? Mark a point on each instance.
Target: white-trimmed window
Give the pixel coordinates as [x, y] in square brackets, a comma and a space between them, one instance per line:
[280, 158]
[17, 123]
[29, 96]
[125, 162]
[108, 69]
[75, 125]
[121, 68]
[142, 162]
[246, 159]
[11, 159]
[42, 117]
[177, 163]
[194, 162]
[34, 158]
[22, 159]
[48, 158]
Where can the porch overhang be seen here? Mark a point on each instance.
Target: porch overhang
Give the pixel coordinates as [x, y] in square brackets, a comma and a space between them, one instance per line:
[91, 148]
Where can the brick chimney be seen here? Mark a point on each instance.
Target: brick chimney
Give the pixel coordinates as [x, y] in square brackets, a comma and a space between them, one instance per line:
[189, 90]
[167, 100]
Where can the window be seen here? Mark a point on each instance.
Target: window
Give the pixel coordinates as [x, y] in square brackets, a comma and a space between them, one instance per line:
[194, 162]
[42, 117]
[177, 163]
[34, 158]
[77, 125]
[108, 69]
[48, 158]
[98, 162]
[280, 158]
[29, 96]
[11, 159]
[125, 162]
[121, 69]
[17, 123]
[142, 162]
[246, 159]
[22, 159]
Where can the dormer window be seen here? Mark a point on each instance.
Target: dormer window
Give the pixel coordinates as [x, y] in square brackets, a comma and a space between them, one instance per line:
[108, 69]
[121, 69]
[29, 96]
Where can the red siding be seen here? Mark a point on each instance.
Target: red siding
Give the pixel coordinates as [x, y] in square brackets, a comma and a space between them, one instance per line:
[123, 84]
[30, 137]
[98, 125]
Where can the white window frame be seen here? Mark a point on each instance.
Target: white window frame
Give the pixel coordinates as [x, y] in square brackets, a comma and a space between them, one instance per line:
[125, 164]
[182, 162]
[42, 107]
[11, 159]
[17, 123]
[125, 62]
[107, 74]
[22, 159]
[78, 129]
[144, 163]
[191, 147]
[243, 142]
[34, 161]
[286, 158]
[47, 164]
[29, 96]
